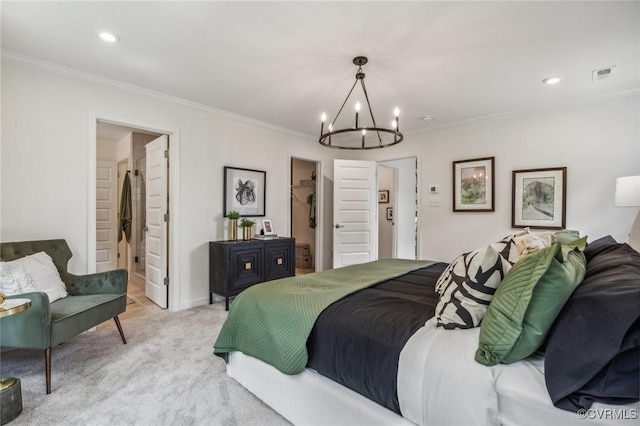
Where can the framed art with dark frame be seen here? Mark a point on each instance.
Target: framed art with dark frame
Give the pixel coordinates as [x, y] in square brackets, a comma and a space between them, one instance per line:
[389, 213]
[244, 191]
[383, 196]
[473, 185]
[539, 198]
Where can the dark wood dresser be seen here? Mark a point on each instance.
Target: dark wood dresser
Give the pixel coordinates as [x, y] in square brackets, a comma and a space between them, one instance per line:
[237, 265]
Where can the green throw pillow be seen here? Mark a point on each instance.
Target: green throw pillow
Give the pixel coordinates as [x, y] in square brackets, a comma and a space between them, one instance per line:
[527, 302]
[566, 235]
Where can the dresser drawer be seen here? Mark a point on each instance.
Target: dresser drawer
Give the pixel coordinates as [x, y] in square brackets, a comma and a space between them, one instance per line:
[245, 266]
[278, 260]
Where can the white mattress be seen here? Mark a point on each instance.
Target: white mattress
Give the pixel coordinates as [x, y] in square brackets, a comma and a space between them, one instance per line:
[439, 383]
[308, 398]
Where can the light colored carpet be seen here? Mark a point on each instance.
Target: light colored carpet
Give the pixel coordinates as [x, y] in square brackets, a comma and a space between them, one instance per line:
[165, 375]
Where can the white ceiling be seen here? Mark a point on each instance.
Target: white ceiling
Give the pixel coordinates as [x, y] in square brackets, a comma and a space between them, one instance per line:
[285, 63]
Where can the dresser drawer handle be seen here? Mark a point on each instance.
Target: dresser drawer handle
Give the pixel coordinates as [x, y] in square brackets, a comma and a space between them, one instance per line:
[247, 265]
[279, 261]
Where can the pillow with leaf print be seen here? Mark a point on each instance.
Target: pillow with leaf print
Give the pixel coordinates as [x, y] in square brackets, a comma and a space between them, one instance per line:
[468, 284]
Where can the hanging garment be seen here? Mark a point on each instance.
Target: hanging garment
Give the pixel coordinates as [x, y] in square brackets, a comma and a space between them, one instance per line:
[125, 209]
[311, 200]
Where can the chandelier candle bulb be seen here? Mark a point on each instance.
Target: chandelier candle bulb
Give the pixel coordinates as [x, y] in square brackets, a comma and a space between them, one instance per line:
[357, 113]
[396, 112]
[323, 118]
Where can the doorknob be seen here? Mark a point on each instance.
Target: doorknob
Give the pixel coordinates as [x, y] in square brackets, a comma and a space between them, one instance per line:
[339, 226]
[146, 229]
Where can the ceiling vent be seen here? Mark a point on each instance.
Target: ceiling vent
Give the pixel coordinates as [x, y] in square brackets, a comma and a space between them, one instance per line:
[603, 74]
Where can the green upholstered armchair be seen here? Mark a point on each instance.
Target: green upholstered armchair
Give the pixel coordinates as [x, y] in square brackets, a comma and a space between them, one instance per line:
[92, 300]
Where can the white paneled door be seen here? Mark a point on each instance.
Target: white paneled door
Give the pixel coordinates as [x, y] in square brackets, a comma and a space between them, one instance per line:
[106, 216]
[157, 214]
[355, 212]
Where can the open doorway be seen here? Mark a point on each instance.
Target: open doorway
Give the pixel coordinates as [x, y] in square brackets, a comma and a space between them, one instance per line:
[121, 231]
[304, 213]
[387, 177]
[398, 209]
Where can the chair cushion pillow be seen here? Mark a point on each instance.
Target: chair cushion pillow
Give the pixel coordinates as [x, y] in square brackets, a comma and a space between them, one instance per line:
[15, 279]
[43, 272]
[527, 302]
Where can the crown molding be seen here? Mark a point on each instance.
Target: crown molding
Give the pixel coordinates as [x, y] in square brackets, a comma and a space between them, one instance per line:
[94, 78]
[508, 114]
[82, 75]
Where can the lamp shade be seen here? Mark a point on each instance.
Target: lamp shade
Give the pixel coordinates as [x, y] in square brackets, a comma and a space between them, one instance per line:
[628, 191]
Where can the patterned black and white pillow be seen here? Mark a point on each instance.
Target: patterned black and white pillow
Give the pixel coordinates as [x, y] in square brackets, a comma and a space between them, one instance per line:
[468, 284]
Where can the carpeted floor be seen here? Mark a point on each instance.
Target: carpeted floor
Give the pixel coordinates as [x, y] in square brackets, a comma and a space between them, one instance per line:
[165, 375]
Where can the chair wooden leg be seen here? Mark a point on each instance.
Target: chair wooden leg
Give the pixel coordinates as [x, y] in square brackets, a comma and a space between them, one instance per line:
[117, 320]
[47, 368]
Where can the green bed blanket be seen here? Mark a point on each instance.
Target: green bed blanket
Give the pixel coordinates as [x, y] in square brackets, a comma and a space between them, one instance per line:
[272, 321]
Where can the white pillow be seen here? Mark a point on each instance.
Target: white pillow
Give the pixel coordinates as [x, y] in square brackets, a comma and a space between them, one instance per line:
[528, 242]
[15, 279]
[44, 274]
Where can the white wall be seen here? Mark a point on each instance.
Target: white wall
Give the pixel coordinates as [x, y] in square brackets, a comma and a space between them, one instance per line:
[596, 141]
[46, 128]
[124, 147]
[46, 125]
[106, 150]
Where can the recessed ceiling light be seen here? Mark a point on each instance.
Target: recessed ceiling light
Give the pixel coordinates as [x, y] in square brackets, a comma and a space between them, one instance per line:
[427, 118]
[551, 80]
[109, 37]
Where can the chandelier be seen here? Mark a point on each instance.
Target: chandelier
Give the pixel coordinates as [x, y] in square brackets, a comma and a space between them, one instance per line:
[360, 136]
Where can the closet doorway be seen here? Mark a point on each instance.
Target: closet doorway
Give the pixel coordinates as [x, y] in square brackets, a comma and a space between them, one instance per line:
[304, 213]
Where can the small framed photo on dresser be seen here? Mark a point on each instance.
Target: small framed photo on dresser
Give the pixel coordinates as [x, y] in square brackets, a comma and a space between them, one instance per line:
[267, 227]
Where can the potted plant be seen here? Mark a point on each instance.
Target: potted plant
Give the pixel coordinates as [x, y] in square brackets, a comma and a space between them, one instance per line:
[233, 225]
[247, 227]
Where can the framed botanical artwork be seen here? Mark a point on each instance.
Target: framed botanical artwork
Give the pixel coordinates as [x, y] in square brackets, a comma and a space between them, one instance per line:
[473, 185]
[539, 198]
[244, 191]
[389, 213]
[383, 196]
[267, 227]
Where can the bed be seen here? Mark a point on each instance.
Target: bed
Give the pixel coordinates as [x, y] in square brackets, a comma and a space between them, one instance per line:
[373, 353]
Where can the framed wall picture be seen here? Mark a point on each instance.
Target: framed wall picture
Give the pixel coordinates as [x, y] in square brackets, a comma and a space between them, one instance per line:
[389, 213]
[383, 196]
[267, 227]
[244, 191]
[539, 198]
[473, 185]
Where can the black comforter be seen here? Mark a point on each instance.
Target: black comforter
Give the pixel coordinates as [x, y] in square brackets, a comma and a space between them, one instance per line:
[593, 347]
[357, 340]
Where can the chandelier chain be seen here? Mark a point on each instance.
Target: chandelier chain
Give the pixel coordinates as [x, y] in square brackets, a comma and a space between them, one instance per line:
[343, 104]
[366, 96]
